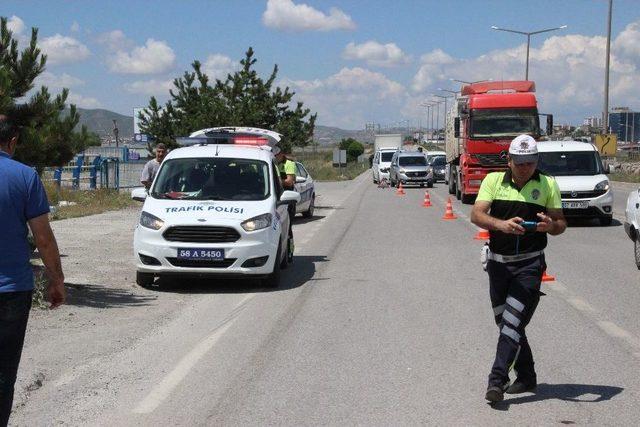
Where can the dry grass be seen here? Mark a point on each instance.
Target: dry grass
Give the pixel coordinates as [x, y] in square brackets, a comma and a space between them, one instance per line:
[85, 202]
[321, 168]
[624, 177]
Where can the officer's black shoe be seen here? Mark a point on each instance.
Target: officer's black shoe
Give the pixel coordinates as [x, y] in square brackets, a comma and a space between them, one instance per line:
[519, 386]
[494, 394]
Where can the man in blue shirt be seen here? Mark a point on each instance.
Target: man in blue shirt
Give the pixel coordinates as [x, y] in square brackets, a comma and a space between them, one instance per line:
[22, 201]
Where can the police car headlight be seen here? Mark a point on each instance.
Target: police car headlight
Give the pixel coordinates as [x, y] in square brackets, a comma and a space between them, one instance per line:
[257, 222]
[150, 221]
[604, 185]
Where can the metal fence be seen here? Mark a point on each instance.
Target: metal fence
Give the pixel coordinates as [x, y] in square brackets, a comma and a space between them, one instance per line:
[85, 173]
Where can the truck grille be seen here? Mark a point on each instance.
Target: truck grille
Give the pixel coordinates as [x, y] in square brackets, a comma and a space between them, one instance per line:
[201, 234]
[201, 263]
[581, 194]
[491, 160]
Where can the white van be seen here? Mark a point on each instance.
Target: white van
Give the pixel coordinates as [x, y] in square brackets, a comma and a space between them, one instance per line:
[578, 170]
[216, 208]
[382, 163]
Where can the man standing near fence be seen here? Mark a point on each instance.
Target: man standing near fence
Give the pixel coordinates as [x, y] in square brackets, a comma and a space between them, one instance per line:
[22, 201]
[151, 168]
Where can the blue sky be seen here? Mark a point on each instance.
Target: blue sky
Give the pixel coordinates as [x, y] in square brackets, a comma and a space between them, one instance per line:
[351, 61]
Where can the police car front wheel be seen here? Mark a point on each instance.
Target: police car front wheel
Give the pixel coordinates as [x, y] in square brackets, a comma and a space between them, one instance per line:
[144, 279]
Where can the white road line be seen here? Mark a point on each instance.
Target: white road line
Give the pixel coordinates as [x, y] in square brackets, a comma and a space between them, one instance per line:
[580, 304]
[161, 391]
[616, 331]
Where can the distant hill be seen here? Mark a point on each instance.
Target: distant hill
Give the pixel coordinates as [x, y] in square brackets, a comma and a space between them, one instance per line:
[101, 122]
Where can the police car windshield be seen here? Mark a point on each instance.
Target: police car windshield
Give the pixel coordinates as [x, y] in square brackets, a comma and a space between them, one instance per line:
[570, 163]
[212, 179]
[412, 160]
[498, 123]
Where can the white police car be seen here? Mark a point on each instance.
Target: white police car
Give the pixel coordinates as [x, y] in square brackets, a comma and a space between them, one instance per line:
[216, 208]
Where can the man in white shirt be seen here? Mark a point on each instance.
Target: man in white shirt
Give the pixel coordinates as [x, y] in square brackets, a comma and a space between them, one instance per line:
[151, 168]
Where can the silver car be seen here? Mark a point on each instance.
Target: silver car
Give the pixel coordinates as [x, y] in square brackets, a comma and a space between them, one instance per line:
[410, 167]
[307, 189]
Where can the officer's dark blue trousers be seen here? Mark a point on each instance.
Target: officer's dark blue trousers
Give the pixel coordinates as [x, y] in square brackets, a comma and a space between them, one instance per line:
[515, 292]
[14, 314]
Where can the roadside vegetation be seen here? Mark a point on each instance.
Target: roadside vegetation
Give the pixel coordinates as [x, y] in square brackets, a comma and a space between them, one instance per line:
[77, 203]
[320, 166]
[624, 177]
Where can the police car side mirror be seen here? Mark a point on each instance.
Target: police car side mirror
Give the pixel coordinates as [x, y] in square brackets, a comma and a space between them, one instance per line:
[139, 194]
[289, 197]
[300, 180]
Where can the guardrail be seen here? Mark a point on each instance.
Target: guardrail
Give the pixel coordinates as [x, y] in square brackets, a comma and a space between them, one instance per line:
[109, 172]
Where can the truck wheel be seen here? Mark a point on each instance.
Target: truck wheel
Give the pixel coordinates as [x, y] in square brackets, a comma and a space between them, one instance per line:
[452, 183]
[458, 189]
[273, 279]
[605, 221]
[429, 184]
[144, 280]
[467, 199]
[636, 251]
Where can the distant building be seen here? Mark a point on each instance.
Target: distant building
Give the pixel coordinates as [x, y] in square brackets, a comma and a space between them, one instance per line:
[593, 121]
[625, 123]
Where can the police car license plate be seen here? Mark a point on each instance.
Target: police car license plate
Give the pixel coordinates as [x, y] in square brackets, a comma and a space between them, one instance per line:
[199, 253]
[575, 205]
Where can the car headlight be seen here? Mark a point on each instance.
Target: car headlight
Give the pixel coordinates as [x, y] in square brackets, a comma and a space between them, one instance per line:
[604, 185]
[257, 222]
[150, 221]
[400, 170]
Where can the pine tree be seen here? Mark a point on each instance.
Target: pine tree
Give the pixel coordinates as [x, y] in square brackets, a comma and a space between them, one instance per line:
[242, 99]
[47, 138]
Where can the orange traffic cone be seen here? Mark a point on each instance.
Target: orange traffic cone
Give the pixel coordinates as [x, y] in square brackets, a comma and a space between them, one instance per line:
[400, 191]
[482, 235]
[448, 213]
[547, 278]
[427, 200]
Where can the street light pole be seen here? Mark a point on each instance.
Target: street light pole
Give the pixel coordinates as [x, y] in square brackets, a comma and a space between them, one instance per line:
[605, 112]
[445, 107]
[528, 34]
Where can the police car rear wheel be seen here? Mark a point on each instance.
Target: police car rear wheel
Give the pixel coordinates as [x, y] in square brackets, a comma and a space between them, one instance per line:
[309, 212]
[144, 279]
[636, 250]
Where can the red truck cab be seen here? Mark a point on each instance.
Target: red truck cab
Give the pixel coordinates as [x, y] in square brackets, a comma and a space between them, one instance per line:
[487, 116]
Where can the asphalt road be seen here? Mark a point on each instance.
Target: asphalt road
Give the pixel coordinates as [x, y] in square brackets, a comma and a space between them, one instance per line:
[384, 319]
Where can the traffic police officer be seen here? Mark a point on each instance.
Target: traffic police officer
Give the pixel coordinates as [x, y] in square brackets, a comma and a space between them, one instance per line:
[516, 260]
[287, 169]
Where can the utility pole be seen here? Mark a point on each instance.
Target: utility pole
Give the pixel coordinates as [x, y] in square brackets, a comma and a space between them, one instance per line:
[115, 131]
[605, 110]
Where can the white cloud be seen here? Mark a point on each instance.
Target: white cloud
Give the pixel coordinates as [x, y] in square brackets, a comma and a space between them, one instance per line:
[62, 49]
[568, 71]
[16, 25]
[115, 41]
[218, 66]
[350, 97]
[377, 54]
[152, 58]
[75, 27]
[286, 15]
[83, 101]
[53, 81]
[153, 87]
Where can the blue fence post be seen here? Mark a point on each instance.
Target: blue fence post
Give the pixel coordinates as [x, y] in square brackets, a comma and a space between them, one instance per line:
[93, 173]
[117, 173]
[57, 176]
[77, 170]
